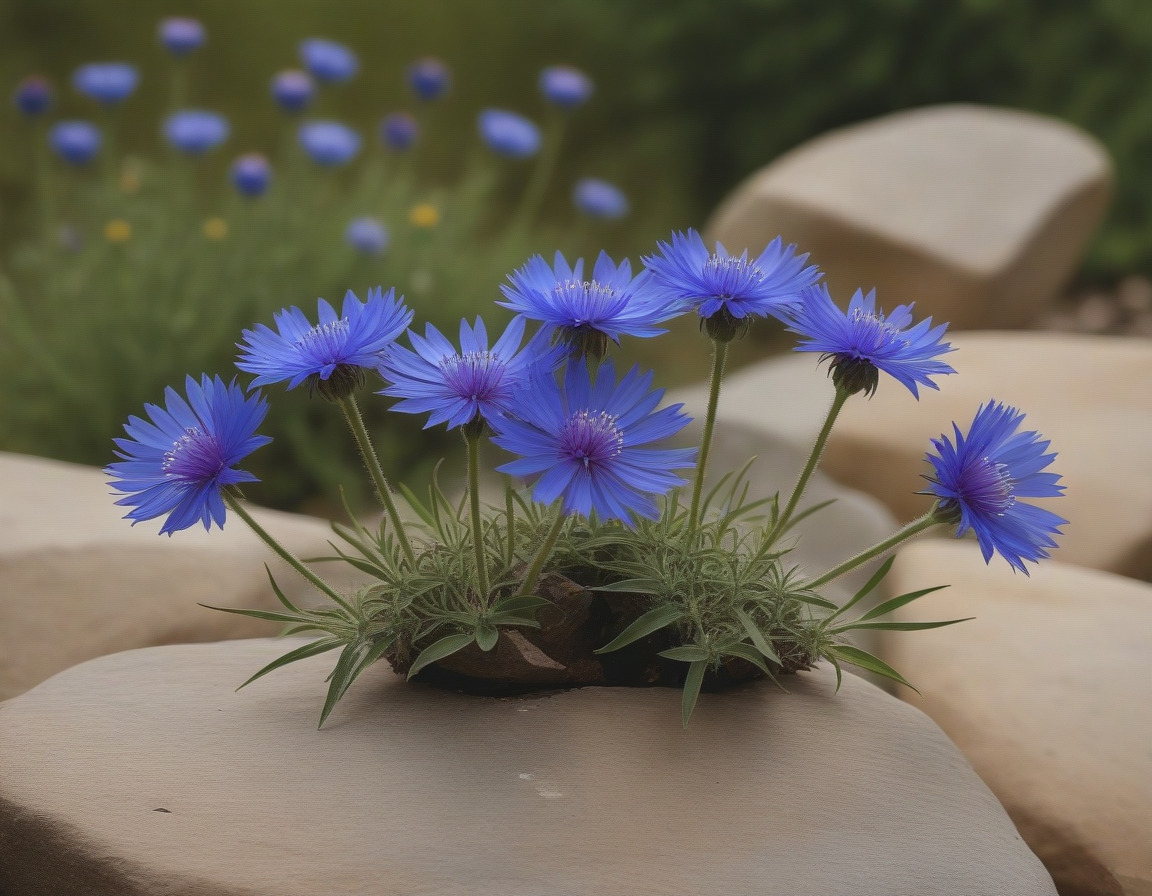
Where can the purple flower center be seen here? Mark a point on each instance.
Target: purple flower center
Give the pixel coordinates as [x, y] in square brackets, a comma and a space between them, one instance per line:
[586, 301]
[871, 332]
[591, 438]
[474, 375]
[986, 487]
[325, 342]
[194, 457]
[731, 274]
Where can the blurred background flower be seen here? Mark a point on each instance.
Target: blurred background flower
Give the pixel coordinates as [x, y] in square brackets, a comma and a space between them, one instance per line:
[181, 36]
[565, 86]
[328, 61]
[329, 142]
[429, 78]
[194, 131]
[108, 83]
[508, 134]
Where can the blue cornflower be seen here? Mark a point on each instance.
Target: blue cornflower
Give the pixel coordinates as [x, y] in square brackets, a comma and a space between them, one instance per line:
[585, 314]
[565, 86]
[33, 96]
[180, 36]
[179, 463]
[328, 142]
[585, 442]
[429, 78]
[195, 131]
[328, 61]
[863, 342]
[108, 83]
[74, 141]
[399, 131]
[367, 235]
[333, 354]
[508, 134]
[728, 290]
[471, 386]
[251, 174]
[979, 479]
[599, 199]
[293, 90]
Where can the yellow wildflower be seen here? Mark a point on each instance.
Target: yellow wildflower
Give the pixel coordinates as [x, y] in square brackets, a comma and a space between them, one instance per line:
[117, 231]
[424, 215]
[215, 228]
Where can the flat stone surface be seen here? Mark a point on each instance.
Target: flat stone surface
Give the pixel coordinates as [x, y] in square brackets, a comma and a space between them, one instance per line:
[78, 581]
[1048, 691]
[144, 773]
[977, 214]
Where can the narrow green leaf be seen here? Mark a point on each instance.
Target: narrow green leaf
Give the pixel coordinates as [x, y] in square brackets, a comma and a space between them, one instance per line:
[347, 668]
[650, 622]
[520, 603]
[276, 590]
[865, 660]
[839, 671]
[807, 512]
[896, 626]
[692, 689]
[416, 504]
[761, 643]
[270, 615]
[633, 586]
[749, 653]
[513, 619]
[868, 587]
[813, 599]
[312, 648]
[486, 636]
[688, 653]
[445, 647]
[895, 603]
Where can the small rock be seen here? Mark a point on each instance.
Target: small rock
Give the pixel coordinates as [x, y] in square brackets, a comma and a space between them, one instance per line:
[1097, 313]
[1135, 293]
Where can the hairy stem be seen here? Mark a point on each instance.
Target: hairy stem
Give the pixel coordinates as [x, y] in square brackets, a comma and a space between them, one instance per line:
[719, 354]
[544, 553]
[913, 528]
[813, 461]
[472, 443]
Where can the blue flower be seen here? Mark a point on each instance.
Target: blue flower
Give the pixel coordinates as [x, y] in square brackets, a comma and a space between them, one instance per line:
[33, 96]
[429, 78]
[508, 134]
[727, 290]
[333, 354]
[180, 36]
[292, 90]
[399, 131]
[328, 142]
[74, 141]
[585, 314]
[194, 131]
[980, 479]
[599, 199]
[179, 463]
[108, 83]
[863, 342]
[251, 174]
[473, 385]
[565, 86]
[367, 235]
[584, 440]
[328, 61]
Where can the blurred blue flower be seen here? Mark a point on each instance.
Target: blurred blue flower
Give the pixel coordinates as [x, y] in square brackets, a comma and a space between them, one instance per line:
[328, 142]
[33, 96]
[863, 342]
[429, 78]
[195, 131]
[293, 90]
[979, 479]
[585, 442]
[367, 235]
[585, 313]
[565, 86]
[726, 290]
[251, 174]
[108, 83]
[399, 131]
[333, 354]
[180, 36]
[508, 134]
[179, 463]
[474, 384]
[599, 199]
[328, 61]
[74, 141]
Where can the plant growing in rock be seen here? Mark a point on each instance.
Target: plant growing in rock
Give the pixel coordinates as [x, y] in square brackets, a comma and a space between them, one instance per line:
[596, 571]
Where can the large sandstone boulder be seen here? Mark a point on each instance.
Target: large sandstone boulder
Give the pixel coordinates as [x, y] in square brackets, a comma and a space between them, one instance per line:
[144, 773]
[1048, 691]
[78, 581]
[977, 214]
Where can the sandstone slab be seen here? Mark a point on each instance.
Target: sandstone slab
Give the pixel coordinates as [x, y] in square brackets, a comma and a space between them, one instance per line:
[977, 214]
[143, 772]
[78, 581]
[1048, 691]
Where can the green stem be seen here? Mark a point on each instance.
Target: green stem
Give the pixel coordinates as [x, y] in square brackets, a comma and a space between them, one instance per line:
[282, 552]
[719, 354]
[510, 514]
[915, 527]
[472, 443]
[544, 553]
[383, 492]
[540, 178]
[813, 461]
